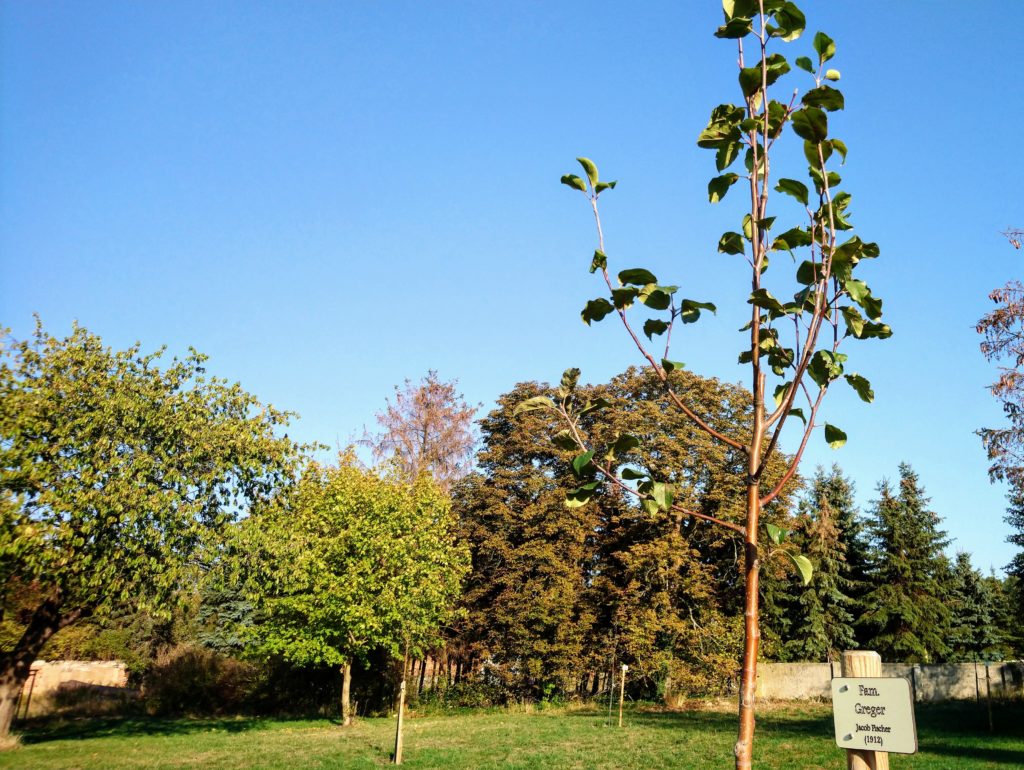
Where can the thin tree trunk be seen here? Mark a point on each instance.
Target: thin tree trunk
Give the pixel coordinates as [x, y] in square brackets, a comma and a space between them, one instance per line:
[16, 665]
[595, 686]
[744, 749]
[423, 674]
[346, 690]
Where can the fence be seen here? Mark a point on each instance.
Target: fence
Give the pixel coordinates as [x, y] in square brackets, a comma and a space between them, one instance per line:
[929, 683]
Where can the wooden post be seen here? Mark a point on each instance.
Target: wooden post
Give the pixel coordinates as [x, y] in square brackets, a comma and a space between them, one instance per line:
[988, 697]
[401, 714]
[622, 690]
[858, 663]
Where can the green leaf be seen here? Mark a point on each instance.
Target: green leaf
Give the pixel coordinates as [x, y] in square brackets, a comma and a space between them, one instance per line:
[734, 8]
[811, 124]
[671, 366]
[590, 169]
[599, 262]
[775, 534]
[781, 391]
[734, 29]
[792, 239]
[657, 297]
[750, 80]
[835, 437]
[637, 277]
[824, 46]
[690, 309]
[581, 495]
[564, 440]
[623, 444]
[649, 506]
[662, 495]
[600, 187]
[623, 298]
[854, 321]
[581, 461]
[574, 182]
[862, 386]
[798, 413]
[629, 474]
[790, 23]
[719, 186]
[593, 406]
[595, 310]
[731, 243]
[654, 326]
[792, 187]
[531, 404]
[825, 97]
[727, 153]
[803, 566]
[826, 366]
[804, 63]
[763, 298]
[832, 75]
[570, 378]
[861, 294]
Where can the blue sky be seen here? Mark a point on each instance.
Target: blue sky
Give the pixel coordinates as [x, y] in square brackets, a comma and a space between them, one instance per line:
[330, 197]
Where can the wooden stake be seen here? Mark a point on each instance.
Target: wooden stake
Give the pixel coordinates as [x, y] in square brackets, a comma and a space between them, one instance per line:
[401, 713]
[858, 663]
[622, 690]
[988, 697]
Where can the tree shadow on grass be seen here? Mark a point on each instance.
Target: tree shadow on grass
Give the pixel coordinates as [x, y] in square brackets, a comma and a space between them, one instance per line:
[43, 731]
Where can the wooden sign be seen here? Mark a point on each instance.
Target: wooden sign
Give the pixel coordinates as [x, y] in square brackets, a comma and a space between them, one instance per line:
[874, 714]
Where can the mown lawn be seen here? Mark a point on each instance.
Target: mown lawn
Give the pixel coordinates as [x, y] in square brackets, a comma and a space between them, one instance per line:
[790, 736]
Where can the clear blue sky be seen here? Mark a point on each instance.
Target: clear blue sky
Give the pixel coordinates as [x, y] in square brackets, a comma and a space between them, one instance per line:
[330, 197]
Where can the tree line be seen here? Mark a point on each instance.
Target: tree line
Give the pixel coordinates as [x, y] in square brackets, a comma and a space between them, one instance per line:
[151, 509]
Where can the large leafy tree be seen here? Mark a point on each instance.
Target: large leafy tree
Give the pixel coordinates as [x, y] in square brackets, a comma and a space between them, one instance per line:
[906, 613]
[609, 576]
[794, 342]
[114, 473]
[427, 428]
[349, 562]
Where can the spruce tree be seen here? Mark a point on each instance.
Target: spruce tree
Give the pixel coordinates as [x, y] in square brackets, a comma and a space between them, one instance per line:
[973, 633]
[822, 621]
[904, 614]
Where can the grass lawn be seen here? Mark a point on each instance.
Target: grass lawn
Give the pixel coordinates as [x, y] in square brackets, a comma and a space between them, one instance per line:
[789, 736]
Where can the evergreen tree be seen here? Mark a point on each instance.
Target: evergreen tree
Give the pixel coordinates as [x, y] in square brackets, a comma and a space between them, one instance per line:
[823, 622]
[904, 613]
[973, 633]
[1015, 518]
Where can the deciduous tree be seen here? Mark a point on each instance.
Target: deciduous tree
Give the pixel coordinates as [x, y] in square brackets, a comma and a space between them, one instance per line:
[428, 428]
[114, 472]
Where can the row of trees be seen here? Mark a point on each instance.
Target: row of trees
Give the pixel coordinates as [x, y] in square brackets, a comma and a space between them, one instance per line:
[559, 595]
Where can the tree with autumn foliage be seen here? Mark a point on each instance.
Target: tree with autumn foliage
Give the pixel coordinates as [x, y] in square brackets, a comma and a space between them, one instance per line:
[427, 428]
[795, 342]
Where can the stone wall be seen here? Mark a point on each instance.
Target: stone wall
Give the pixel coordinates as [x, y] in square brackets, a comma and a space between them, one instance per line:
[929, 683]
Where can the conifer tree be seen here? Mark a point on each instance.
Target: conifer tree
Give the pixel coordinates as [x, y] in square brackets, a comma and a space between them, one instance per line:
[973, 633]
[822, 610]
[904, 614]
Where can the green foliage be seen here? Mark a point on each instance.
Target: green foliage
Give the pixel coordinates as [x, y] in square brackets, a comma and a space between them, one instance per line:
[348, 562]
[973, 633]
[906, 613]
[115, 471]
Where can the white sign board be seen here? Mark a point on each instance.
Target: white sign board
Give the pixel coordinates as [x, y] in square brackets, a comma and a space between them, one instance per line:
[874, 714]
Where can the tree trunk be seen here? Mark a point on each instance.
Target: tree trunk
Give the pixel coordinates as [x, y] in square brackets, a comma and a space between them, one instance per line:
[16, 665]
[346, 690]
[744, 749]
[423, 674]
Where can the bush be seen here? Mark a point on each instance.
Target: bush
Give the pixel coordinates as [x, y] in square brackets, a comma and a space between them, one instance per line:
[194, 680]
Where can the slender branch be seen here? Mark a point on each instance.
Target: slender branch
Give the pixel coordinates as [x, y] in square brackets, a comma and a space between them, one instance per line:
[799, 452]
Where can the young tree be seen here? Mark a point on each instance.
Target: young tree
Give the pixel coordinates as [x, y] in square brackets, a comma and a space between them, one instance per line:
[906, 612]
[114, 473]
[349, 562]
[796, 341]
[427, 429]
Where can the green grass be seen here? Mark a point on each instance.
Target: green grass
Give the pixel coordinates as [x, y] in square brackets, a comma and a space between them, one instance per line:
[789, 736]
